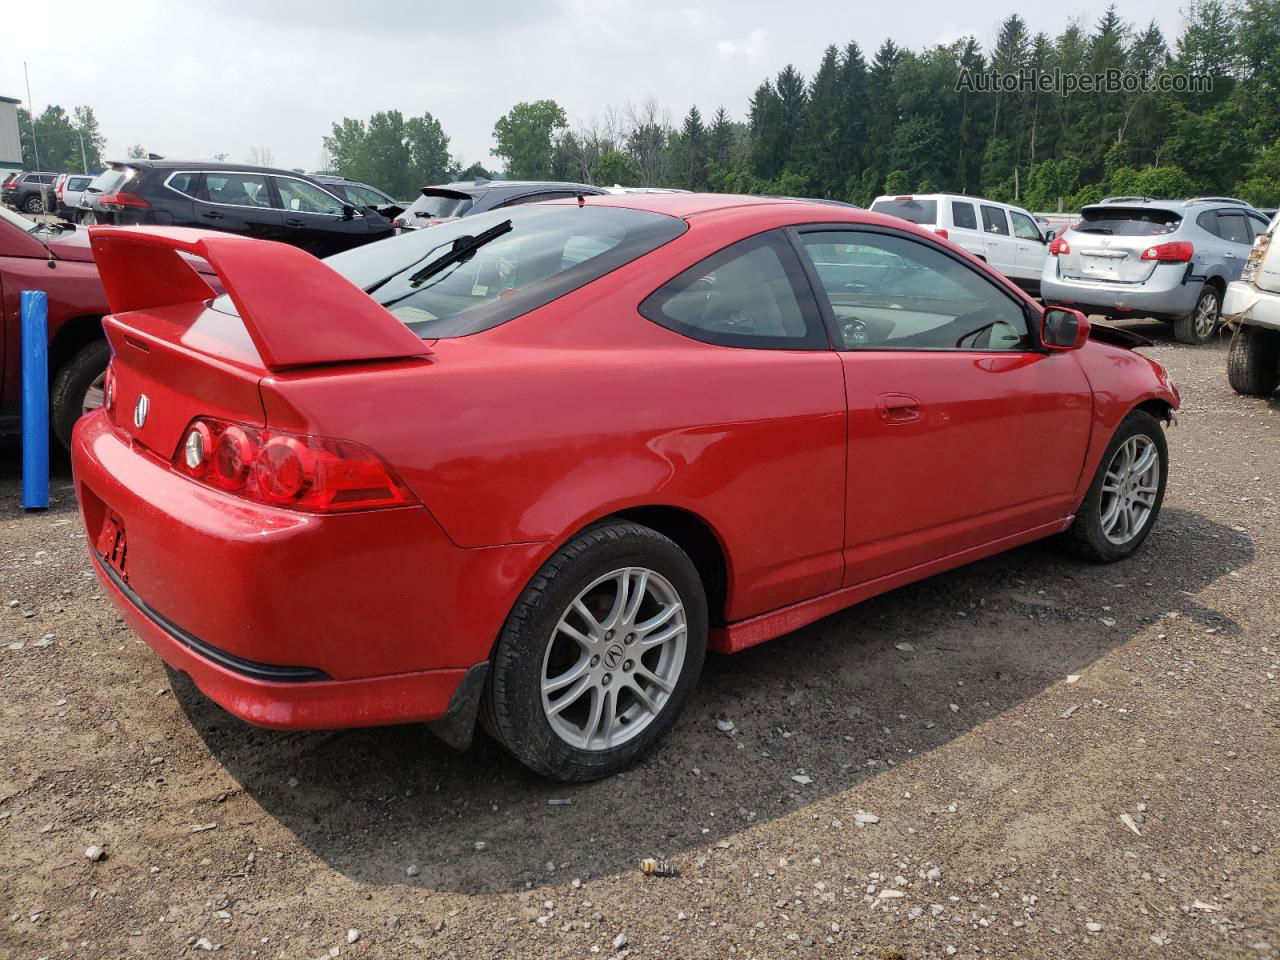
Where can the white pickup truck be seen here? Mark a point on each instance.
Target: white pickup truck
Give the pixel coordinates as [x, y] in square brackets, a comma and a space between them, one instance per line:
[1252, 307]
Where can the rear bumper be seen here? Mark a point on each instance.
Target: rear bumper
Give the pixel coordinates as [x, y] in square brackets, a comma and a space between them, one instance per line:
[1248, 304]
[287, 619]
[1164, 294]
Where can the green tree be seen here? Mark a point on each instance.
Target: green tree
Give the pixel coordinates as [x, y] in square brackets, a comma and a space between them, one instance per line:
[59, 137]
[399, 155]
[524, 138]
[616, 167]
[693, 138]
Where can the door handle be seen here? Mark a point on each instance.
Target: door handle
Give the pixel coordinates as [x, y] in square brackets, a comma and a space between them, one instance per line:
[1229, 256]
[295, 222]
[213, 215]
[898, 407]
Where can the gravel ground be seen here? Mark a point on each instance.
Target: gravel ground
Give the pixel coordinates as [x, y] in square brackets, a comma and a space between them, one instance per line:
[1030, 757]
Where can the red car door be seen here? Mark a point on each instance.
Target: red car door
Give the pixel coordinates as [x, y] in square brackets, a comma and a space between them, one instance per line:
[962, 429]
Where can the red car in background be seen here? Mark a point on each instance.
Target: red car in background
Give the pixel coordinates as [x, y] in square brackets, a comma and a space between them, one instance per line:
[39, 256]
[530, 465]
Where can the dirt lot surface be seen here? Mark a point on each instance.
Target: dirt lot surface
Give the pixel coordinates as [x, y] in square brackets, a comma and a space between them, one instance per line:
[999, 721]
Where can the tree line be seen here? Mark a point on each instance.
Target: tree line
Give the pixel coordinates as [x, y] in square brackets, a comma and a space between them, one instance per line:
[898, 121]
[892, 121]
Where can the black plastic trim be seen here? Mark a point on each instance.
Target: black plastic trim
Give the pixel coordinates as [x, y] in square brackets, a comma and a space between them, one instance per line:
[458, 726]
[269, 672]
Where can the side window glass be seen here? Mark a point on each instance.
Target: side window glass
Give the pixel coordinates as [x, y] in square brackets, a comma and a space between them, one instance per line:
[889, 292]
[750, 294]
[963, 216]
[1258, 225]
[1208, 221]
[993, 221]
[237, 189]
[1024, 228]
[1232, 228]
[301, 197]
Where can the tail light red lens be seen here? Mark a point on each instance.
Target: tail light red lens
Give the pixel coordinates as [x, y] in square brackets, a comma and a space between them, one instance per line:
[1059, 246]
[1176, 251]
[123, 200]
[316, 474]
[942, 232]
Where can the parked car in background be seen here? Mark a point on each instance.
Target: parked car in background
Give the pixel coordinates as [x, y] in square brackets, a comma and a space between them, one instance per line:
[602, 396]
[259, 202]
[1252, 305]
[618, 188]
[356, 193]
[29, 191]
[90, 209]
[1166, 259]
[57, 259]
[67, 191]
[1005, 236]
[452, 200]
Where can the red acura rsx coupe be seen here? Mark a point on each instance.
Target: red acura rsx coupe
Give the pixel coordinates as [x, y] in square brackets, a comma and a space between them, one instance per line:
[528, 467]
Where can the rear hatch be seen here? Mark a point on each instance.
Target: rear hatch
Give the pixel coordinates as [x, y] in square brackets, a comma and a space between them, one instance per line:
[435, 206]
[1108, 242]
[176, 359]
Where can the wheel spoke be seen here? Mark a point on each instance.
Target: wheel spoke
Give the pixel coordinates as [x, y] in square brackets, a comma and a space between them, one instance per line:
[573, 633]
[659, 618]
[1146, 460]
[614, 617]
[645, 700]
[573, 696]
[1110, 515]
[637, 597]
[644, 673]
[652, 640]
[568, 677]
[593, 624]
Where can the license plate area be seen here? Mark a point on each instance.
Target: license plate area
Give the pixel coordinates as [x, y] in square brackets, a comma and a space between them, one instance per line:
[112, 547]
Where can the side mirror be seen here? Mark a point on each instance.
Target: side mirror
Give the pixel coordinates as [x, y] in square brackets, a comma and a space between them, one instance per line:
[348, 212]
[1049, 235]
[1064, 328]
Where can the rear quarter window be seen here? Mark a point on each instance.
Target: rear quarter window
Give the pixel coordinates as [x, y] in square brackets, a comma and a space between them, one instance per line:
[962, 215]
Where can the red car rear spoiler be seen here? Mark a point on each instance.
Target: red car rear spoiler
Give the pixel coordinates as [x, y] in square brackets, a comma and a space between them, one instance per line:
[298, 312]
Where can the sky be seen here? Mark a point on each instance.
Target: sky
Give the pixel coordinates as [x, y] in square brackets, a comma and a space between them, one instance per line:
[191, 80]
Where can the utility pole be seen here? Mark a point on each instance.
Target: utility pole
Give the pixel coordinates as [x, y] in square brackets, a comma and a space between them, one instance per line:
[35, 147]
[84, 161]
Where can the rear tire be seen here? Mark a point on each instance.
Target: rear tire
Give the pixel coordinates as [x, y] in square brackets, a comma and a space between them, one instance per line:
[1201, 323]
[1253, 365]
[577, 699]
[72, 388]
[34, 204]
[1122, 504]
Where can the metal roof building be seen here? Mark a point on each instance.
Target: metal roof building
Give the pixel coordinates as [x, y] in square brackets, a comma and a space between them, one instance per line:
[10, 145]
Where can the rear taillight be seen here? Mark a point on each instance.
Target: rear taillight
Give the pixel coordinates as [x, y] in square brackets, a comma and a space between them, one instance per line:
[316, 474]
[1176, 251]
[1255, 258]
[1059, 246]
[123, 200]
[942, 232]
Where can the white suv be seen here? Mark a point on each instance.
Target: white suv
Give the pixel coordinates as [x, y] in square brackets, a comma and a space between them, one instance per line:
[1252, 304]
[1006, 237]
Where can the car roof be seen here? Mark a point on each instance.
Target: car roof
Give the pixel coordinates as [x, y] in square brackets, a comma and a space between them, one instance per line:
[685, 205]
[207, 165]
[480, 185]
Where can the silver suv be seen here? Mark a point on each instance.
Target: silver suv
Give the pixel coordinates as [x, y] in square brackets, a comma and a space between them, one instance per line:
[1167, 259]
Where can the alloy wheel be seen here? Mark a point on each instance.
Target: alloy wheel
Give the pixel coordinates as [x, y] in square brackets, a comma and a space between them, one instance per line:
[1206, 315]
[93, 395]
[1129, 489]
[614, 659]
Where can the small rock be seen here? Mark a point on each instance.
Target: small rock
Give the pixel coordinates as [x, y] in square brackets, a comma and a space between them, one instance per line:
[1072, 677]
[1093, 926]
[934, 874]
[560, 802]
[480, 846]
[202, 827]
[891, 894]
[905, 647]
[619, 941]
[94, 853]
[864, 818]
[204, 944]
[413, 870]
[801, 779]
[1128, 822]
[353, 935]
[1066, 714]
[725, 726]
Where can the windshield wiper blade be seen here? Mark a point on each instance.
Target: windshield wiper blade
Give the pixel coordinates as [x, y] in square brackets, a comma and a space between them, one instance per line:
[463, 247]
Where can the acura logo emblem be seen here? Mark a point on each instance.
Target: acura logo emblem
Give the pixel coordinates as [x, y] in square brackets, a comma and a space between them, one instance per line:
[140, 410]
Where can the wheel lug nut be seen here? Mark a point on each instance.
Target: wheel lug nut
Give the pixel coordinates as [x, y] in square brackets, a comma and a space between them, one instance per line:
[631, 638]
[608, 634]
[627, 665]
[607, 679]
[595, 661]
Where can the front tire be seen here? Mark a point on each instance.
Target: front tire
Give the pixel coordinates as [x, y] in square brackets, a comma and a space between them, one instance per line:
[1201, 323]
[1124, 499]
[1253, 365]
[34, 205]
[599, 655]
[77, 388]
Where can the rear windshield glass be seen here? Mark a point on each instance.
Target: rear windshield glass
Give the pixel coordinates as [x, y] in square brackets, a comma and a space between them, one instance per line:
[439, 208]
[546, 252]
[1128, 222]
[359, 195]
[916, 211]
[108, 180]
